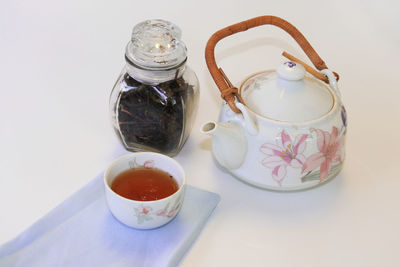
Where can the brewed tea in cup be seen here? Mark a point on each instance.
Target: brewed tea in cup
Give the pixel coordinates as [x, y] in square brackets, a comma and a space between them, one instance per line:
[137, 196]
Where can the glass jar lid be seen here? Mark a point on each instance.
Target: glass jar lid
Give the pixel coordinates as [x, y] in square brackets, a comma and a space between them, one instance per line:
[287, 94]
[156, 44]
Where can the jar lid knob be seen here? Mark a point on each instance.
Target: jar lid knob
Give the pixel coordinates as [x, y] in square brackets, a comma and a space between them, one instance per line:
[291, 71]
[156, 44]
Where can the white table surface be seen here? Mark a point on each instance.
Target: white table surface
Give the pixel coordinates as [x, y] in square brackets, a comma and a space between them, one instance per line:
[60, 59]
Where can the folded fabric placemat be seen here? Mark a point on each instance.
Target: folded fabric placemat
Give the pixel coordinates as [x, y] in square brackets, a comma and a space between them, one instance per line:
[81, 231]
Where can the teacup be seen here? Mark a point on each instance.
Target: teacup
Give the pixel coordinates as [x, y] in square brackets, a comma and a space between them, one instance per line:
[144, 214]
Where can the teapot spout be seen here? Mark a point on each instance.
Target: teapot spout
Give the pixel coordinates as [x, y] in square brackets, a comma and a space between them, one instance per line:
[229, 143]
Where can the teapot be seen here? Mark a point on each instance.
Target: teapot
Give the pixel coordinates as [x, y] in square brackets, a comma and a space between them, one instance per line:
[282, 129]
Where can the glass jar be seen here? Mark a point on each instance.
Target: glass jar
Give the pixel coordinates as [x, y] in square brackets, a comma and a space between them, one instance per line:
[154, 101]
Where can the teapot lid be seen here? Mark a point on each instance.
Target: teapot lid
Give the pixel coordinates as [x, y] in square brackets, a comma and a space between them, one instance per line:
[287, 94]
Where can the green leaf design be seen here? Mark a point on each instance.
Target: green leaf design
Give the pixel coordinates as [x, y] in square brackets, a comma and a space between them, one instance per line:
[314, 176]
[137, 212]
[148, 218]
[133, 164]
[167, 206]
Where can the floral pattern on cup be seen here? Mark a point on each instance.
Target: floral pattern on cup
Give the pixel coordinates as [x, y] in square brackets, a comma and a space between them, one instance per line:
[288, 154]
[170, 212]
[146, 164]
[146, 213]
[143, 213]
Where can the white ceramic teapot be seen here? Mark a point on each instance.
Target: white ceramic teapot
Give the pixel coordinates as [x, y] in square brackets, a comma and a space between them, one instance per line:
[281, 130]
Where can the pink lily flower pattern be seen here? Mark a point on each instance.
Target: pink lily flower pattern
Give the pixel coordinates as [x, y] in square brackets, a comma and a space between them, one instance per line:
[148, 164]
[143, 213]
[284, 153]
[171, 212]
[144, 210]
[161, 212]
[329, 152]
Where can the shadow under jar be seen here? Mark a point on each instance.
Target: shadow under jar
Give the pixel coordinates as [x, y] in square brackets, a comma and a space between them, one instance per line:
[154, 101]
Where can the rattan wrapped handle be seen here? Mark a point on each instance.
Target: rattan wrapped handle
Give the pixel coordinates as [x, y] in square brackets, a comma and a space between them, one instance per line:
[228, 92]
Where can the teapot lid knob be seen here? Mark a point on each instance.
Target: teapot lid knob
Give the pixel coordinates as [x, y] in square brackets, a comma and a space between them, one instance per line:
[291, 71]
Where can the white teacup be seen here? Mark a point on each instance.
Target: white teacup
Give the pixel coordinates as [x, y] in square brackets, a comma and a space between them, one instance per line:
[144, 214]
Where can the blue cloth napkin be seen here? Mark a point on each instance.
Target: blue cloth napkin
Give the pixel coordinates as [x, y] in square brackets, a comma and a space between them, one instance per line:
[81, 231]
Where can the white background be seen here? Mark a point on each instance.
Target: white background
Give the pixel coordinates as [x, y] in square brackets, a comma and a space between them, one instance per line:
[60, 59]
